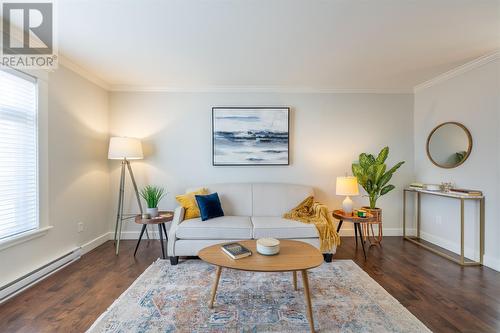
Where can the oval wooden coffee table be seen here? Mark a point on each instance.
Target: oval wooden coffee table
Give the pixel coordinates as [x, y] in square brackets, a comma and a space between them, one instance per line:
[294, 256]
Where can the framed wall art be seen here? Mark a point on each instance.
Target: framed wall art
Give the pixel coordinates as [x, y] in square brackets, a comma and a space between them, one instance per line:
[250, 136]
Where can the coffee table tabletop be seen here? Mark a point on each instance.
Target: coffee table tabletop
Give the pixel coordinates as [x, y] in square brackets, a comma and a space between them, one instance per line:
[293, 256]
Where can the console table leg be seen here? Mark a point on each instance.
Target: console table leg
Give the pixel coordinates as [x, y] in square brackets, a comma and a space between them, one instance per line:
[418, 215]
[214, 287]
[481, 230]
[462, 256]
[307, 296]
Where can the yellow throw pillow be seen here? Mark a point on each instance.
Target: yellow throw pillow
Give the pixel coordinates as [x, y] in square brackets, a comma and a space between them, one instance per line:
[188, 201]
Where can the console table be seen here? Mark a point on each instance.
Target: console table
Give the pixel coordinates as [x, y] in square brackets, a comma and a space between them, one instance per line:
[416, 240]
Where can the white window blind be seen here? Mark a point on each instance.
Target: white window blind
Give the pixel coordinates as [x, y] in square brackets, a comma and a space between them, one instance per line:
[18, 153]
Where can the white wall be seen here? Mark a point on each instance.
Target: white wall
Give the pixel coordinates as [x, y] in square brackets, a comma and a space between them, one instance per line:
[78, 179]
[328, 131]
[471, 98]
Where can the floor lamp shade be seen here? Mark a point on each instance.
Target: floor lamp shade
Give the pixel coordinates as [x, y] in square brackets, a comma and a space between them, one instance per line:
[347, 186]
[125, 148]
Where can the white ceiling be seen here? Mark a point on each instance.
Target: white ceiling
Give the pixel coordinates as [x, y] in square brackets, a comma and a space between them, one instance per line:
[309, 44]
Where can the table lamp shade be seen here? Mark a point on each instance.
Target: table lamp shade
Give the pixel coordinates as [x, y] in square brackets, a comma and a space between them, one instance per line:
[125, 148]
[347, 186]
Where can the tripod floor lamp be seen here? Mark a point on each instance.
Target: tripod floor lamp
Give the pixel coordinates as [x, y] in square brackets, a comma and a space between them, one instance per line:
[124, 149]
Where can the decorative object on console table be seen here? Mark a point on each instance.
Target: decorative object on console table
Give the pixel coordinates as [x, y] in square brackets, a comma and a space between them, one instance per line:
[250, 135]
[471, 193]
[356, 221]
[160, 220]
[124, 149]
[152, 195]
[373, 176]
[347, 186]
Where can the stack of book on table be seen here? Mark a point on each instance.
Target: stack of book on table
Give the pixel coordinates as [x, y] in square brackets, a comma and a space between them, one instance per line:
[236, 250]
[460, 191]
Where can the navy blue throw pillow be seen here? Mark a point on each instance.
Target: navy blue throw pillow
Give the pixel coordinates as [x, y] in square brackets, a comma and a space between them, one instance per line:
[209, 206]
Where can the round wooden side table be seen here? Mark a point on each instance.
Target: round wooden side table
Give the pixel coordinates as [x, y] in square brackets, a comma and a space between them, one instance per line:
[165, 216]
[357, 221]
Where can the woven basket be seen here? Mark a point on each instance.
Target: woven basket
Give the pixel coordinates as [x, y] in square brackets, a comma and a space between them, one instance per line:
[374, 239]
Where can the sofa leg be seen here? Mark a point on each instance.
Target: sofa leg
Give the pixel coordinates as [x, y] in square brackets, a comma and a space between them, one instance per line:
[328, 257]
[174, 260]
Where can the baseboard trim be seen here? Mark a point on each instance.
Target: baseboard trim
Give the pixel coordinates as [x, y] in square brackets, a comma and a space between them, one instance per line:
[450, 245]
[492, 263]
[15, 287]
[89, 246]
[349, 232]
[128, 235]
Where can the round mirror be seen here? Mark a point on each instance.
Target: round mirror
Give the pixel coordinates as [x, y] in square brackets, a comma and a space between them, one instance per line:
[449, 145]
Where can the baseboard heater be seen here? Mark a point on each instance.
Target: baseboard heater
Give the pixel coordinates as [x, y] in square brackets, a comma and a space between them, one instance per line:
[28, 280]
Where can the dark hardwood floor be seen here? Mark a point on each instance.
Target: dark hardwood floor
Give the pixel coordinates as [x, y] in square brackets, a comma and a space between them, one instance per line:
[444, 296]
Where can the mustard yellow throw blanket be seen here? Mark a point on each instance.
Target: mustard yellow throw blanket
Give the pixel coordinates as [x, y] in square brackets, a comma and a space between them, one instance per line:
[311, 212]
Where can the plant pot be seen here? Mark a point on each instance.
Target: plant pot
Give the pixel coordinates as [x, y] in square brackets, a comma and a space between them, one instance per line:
[376, 212]
[153, 212]
[368, 232]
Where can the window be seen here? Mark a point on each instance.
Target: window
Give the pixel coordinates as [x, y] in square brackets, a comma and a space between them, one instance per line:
[18, 153]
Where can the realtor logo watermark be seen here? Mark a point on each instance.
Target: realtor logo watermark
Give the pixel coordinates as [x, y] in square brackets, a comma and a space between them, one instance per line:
[28, 35]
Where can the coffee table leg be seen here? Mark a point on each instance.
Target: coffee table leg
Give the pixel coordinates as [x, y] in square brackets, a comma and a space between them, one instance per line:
[307, 296]
[214, 287]
[295, 280]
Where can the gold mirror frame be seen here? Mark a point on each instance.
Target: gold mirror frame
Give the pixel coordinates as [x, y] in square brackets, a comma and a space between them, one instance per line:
[469, 149]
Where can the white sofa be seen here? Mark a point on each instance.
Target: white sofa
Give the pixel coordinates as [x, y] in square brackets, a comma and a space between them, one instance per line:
[251, 211]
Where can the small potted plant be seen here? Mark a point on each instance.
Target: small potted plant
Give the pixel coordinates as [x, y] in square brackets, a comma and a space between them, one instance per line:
[152, 195]
[373, 176]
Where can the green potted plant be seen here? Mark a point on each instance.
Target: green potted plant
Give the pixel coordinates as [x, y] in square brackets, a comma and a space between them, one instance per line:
[372, 174]
[152, 195]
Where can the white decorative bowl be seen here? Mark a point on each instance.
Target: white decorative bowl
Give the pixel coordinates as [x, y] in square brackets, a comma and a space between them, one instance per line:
[432, 187]
[268, 246]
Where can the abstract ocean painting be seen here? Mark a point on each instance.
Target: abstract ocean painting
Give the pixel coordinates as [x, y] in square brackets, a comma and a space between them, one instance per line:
[250, 136]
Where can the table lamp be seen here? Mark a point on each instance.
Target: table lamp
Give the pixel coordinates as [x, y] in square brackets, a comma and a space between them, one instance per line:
[347, 186]
[124, 149]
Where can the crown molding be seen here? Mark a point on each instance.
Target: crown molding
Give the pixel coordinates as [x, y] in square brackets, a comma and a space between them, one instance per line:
[481, 61]
[255, 89]
[82, 72]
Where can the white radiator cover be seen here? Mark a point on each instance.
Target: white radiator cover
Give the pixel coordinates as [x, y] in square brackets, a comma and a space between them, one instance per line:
[28, 280]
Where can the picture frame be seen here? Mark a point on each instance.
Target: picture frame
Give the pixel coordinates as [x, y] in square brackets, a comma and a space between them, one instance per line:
[250, 136]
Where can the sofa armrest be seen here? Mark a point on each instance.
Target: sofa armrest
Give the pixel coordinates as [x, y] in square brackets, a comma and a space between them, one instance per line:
[177, 219]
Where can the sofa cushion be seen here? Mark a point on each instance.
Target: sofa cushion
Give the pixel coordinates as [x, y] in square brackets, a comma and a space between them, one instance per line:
[209, 206]
[276, 199]
[224, 227]
[189, 202]
[236, 199]
[277, 227]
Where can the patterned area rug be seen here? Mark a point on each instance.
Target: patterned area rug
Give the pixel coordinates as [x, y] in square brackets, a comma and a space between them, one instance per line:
[174, 299]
